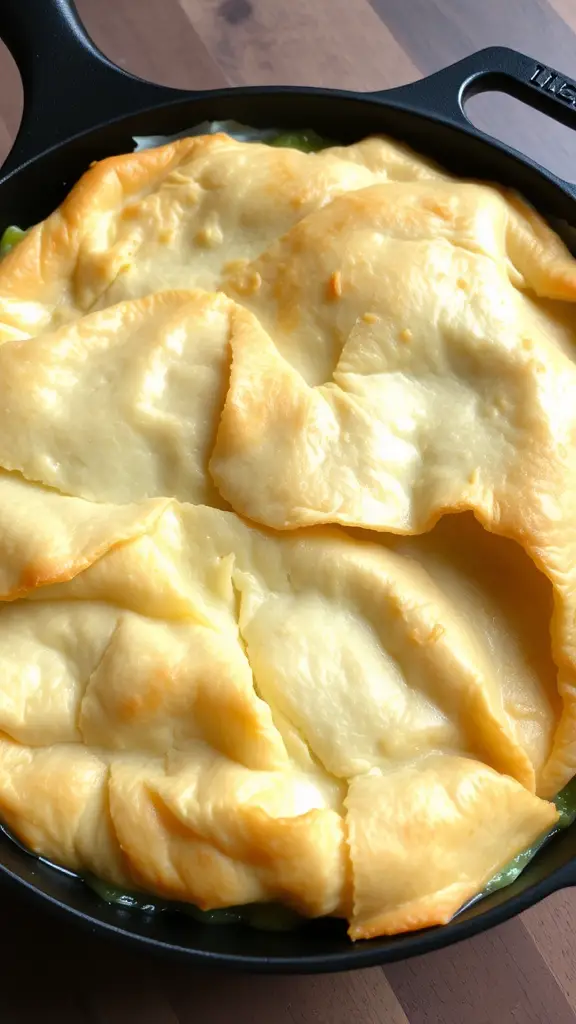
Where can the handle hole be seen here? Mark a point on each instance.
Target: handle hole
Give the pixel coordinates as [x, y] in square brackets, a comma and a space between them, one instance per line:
[528, 130]
[11, 101]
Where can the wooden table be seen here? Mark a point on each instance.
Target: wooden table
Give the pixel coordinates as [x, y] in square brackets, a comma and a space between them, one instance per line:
[525, 971]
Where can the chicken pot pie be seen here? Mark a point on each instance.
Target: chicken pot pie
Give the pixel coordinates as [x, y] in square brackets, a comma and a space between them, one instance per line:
[175, 217]
[287, 481]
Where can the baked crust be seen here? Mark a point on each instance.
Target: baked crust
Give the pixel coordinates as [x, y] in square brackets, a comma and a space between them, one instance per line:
[418, 360]
[173, 217]
[184, 677]
[209, 692]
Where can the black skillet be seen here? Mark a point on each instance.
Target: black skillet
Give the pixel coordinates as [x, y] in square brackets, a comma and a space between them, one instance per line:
[80, 107]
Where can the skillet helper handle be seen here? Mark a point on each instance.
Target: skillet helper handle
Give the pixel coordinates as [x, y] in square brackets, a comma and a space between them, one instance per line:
[70, 86]
[496, 68]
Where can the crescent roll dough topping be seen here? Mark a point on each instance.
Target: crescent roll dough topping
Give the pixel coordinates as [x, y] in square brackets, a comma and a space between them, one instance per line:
[439, 379]
[143, 384]
[230, 679]
[174, 217]
[46, 537]
[287, 530]
[410, 840]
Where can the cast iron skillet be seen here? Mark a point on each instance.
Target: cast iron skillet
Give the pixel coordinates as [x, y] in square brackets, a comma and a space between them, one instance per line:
[79, 107]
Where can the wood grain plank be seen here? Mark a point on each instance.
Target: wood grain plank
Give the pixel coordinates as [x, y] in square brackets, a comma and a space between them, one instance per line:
[496, 978]
[50, 968]
[532, 133]
[567, 10]
[437, 32]
[337, 44]
[134, 1002]
[44, 1008]
[104, 983]
[552, 925]
[154, 39]
[11, 101]
[364, 996]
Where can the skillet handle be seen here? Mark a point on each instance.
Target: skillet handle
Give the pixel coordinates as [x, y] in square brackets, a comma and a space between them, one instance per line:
[443, 94]
[70, 86]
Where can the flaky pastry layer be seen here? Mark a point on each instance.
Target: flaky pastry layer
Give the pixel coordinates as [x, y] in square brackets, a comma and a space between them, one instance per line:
[210, 353]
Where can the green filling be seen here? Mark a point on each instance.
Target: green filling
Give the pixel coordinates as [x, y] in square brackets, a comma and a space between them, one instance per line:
[510, 873]
[10, 238]
[269, 917]
[566, 804]
[308, 141]
[274, 917]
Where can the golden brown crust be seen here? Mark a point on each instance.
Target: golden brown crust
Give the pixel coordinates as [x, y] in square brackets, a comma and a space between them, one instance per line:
[210, 845]
[122, 405]
[173, 217]
[221, 713]
[195, 666]
[425, 839]
[46, 537]
[40, 269]
[438, 380]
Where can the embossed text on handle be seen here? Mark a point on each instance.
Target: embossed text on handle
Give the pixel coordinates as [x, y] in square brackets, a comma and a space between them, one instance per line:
[551, 81]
